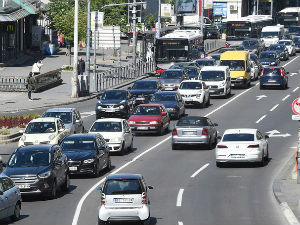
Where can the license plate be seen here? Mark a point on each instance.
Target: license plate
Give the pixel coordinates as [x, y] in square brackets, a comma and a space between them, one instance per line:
[212, 91]
[272, 81]
[142, 128]
[189, 132]
[109, 110]
[169, 88]
[123, 200]
[24, 186]
[73, 168]
[237, 156]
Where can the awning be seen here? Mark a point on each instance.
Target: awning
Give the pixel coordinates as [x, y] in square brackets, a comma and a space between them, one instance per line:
[25, 10]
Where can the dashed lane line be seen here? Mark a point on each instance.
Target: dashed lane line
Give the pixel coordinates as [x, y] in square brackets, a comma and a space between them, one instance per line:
[179, 198]
[291, 61]
[285, 97]
[199, 170]
[261, 118]
[180, 223]
[295, 89]
[274, 107]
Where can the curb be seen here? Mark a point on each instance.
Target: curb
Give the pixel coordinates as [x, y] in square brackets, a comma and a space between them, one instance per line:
[279, 196]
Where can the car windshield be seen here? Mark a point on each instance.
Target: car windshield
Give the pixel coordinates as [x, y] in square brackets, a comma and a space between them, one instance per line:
[192, 122]
[66, 117]
[40, 127]
[250, 43]
[180, 65]
[29, 158]
[122, 186]
[294, 30]
[114, 95]
[190, 85]
[146, 110]
[276, 47]
[234, 65]
[144, 85]
[205, 62]
[106, 126]
[171, 75]
[192, 72]
[163, 97]
[266, 55]
[238, 137]
[270, 34]
[297, 40]
[78, 144]
[284, 42]
[212, 75]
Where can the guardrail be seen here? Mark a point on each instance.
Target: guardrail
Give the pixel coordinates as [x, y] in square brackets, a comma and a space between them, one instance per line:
[212, 45]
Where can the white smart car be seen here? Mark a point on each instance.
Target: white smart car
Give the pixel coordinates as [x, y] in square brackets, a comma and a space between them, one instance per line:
[116, 132]
[194, 92]
[242, 145]
[43, 131]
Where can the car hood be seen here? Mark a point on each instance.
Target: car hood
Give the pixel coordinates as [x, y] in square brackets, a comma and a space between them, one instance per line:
[143, 91]
[170, 81]
[167, 104]
[109, 135]
[189, 92]
[139, 118]
[267, 60]
[111, 102]
[37, 138]
[213, 82]
[80, 155]
[9, 171]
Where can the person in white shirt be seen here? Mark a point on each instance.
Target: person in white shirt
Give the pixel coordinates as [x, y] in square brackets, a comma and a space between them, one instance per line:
[36, 68]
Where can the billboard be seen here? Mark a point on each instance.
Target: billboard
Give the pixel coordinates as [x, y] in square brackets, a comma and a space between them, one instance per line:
[220, 9]
[186, 6]
[208, 4]
[99, 22]
[167, 10]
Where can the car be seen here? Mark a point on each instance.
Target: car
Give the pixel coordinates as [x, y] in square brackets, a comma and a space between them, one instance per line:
[206, 62]
[254, 71]
[254, 59]
[267, 58]
[216, 57]
[192, 72]
[212, 32]
[194, 130]
[172, 101]
[296, 40]
[114, 103]
[172, 78]
[274, 77]
[116, 132]
[238, 47]
[222, 50]
[70, 117]
[11, 200]
[47, 130]
[87, 154]
[142, 90]
[181, 65]
[124, 198]
[254, 46]
[289, 45]
[242, 145]
[195, 92]
[39, 169]
[149, 118]
[281, 50]
[294, 31]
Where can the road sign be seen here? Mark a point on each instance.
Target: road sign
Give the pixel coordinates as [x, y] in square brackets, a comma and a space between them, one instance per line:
[295, 117]
[296, 106]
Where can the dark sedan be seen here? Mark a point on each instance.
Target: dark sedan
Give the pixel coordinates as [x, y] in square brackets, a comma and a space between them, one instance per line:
[268, 58]
[254, 46]
[87, 153]
[172, 101]
[274, 77]
[296, 40]
[192, 72]
[182, 65]
[206, 62]
[281, 50]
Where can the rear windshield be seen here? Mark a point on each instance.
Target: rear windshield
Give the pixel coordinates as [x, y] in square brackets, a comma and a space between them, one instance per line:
[119, 187]
[272, 71]
[192, 122]
[238, 137]
[205, 62]
[171, 75]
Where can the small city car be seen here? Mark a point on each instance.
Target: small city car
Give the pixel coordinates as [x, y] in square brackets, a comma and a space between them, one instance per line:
[172, 78]
[274, 77]
[124, 198]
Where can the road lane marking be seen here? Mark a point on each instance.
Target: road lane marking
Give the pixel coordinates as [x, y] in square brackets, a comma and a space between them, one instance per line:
[290, 61]
[234, 176]
[261, 118]
[293, 74]
[199, 170]
[179, 198]
[87, 114]
[285, 97]
[180, 223]
[295, 89]
[275, 106]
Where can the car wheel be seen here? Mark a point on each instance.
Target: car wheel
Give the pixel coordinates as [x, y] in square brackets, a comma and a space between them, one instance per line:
[101, 222]
[66, 184]
[183, 114]
[96, 171]
[266, 159]
[53, 190]
[174, 147]
[210, 144]
[219, 164]
[261, 87]
[161, 131]
[98, 116]
[202, 105]
[262, 161]
[108, 166]
[17, 212]
[130, 148]
[82, 131]
[147, 221]
[122, 152]
[208, 102]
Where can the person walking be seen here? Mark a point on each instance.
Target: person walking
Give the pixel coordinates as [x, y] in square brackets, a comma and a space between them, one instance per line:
[30, 85]
[81, 66]
[36, 68]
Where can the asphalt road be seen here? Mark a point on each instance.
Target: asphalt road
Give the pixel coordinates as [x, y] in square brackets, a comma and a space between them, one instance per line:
[237, 194]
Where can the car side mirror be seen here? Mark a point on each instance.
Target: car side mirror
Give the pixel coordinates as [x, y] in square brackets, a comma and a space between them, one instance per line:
[267, 136]
[219, 137]
[129, 88]
[99, 188]
[215, 124]
[150, 187]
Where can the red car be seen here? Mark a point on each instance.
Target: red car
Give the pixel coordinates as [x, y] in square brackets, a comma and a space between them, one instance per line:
[149, 118]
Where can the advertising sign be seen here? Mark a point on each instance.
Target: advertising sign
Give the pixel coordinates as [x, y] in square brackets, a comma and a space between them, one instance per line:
[220, 9]
[167, 10]
[208, 4]
[99, 22]
[186, 6]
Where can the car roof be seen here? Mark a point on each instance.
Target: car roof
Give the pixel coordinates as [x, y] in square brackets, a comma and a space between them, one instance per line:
[204, 59]
[193, 117]
[83, 135]
[273, 67]
[195, 81]
[173, 70]
[150, 105]
[60, 110]
[284, 40]
[45, 119]
[214, 68]
[165, 92]
[241, 130]
[124, 176]
[140, 81]
[110, 119]
[116, 90]
[274, 52]
[35, 147]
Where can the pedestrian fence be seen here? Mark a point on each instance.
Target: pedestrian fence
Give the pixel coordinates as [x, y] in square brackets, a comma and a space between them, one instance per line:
[212, 45]
[120, 75]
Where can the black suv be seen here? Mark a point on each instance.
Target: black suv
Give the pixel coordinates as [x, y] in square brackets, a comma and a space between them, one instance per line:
[39, 169]
[212, 32]
[116, 103]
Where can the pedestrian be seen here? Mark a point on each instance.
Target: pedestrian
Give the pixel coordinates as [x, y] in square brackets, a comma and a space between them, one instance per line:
[36, 68]
[227, 44]
[81, 66]
[30, 85]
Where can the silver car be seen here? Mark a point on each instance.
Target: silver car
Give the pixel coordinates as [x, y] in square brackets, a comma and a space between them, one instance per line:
[194, 130]
[70, 117]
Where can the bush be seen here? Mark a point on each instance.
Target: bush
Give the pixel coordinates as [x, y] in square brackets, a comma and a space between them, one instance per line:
[67, 67]
[17, 121]
[4, 131]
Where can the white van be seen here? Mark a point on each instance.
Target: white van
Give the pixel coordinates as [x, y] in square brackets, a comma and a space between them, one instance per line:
[272, 34]
[218, 80]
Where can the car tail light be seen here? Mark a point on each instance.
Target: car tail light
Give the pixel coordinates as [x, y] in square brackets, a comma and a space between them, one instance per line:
[204, 132]
[222, 146]
[103, 199]
[262, 72]
[281, 72]
[253, 146]
[174, 132]
[144, 198]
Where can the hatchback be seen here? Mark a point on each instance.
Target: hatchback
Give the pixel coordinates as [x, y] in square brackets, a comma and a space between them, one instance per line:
[274, 77]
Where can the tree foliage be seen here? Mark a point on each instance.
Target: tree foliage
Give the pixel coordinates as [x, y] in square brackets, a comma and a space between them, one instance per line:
[150, 20]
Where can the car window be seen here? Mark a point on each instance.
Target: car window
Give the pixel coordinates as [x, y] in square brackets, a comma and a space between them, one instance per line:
[66, 117]
[238, 137]
[124, 186]
[146, 110]
[34, 158]
[40, 127]
[7, 183]
[106, 126]
[259, 135]
[192, 122]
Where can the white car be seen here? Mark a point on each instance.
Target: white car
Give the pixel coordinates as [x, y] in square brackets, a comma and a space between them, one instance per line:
[43, 131]
[116, 132]
[194, 92]
[242, 145]
[289, 45]
[254, 70]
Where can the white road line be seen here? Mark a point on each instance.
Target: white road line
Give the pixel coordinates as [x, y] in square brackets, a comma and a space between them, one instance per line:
[199, 170]
[293, 147]
[290, 61]
[180, 223]
[261, 118]
[179, 198]
[275, 106]
[295, 89]
[285, 97]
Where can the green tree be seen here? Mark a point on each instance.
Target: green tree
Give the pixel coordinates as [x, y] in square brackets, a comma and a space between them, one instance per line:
[150, 20]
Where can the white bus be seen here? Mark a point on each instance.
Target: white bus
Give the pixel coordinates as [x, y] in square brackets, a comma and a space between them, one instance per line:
[289, 16]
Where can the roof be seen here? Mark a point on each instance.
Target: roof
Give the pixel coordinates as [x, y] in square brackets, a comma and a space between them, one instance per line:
[241, 130]
[214, 68]
[234, 55]
[138, 81]
[45, 119]
[274, 52]
[35, 147]
[179, 69]
[124, 176]
[285, 40]
[110, 119]
[194, 81]
[165, 92]
[83, 135]
[60, 110]
[271, 28]
[193, 117]
[182, 34]
[15, 10]
[290, 9]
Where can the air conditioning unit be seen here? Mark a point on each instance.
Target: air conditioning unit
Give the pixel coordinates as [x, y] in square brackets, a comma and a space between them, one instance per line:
[233, 7]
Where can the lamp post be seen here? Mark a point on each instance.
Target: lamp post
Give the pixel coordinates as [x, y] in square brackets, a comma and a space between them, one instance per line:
[75, 60]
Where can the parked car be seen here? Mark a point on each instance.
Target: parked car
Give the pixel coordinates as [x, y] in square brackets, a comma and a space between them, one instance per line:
[114, 103]
[206, 62]
[69, 116]
[212, 32]
[281, 50]
[87, 154]
[116, 132]
[124, 198]
[274, 77]
[142, 90]
[269, 58]
[172, 101]
[194, 130]
[254, 46]
[192, 72]
[39, 169]
[181, 65]
[46, 130]
[296, 40]
[289, 45]
[149, 118]
[172, 78]
[195, 92]
[242, 145]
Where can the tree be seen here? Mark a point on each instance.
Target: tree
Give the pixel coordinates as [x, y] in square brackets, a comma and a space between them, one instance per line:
[150, 21]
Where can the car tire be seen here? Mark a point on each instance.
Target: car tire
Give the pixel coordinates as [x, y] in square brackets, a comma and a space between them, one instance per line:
[108, 166]
[161, 131]
[262, 162]
[175, 147]
[183, 113]
[101, 222]
[17, 212]
[147, 221]
[123, 150]
[66, 186]
[97, 171]
[98, 116]
[219, 164]
[203, 104]
[53, 192]
[83, 130]
[261, 87]
[208, 102]
[266, 159]
[210, 144]
[130, 148]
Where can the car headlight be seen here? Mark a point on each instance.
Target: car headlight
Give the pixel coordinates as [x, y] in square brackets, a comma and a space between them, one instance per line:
[116, 140]
[51, 137]
[198, 95]
[131, 122]
[99, 107]
[222, 84]
[240, 78]
[273, 63]
[45, 174]
[153, 122]
[23, 138]
[171, 109]
[121, 106]
[89, 161]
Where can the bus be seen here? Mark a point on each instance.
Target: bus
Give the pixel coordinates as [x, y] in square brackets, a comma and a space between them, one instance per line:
[289, 16]
[247, 27]
[178, 46]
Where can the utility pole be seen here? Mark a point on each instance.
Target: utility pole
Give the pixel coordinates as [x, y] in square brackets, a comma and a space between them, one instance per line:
[88, 39]
[95, 52]
[159, 19]
[75, 70]
[271, 8]
[134, 35]
[202, 17]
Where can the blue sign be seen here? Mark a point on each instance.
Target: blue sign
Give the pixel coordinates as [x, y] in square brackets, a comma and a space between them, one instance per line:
[220, 9]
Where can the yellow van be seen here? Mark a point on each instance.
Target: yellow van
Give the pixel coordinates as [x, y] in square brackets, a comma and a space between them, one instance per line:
[239, 65]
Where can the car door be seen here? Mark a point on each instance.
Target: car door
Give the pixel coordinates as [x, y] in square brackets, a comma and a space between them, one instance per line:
[11, 193]
[126, 133]
[4, 202]
[165, 116]
[262, 142]
[58, 166]
[78, 122]
[101, 153]
[62, 131]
